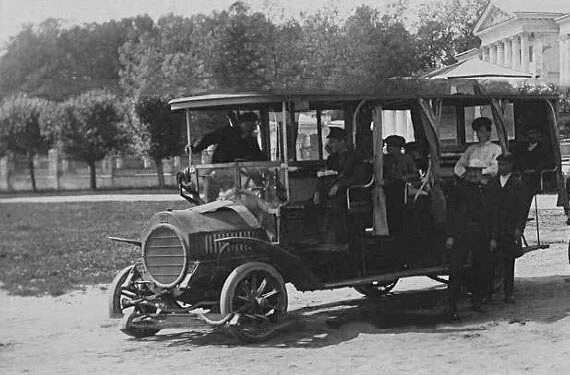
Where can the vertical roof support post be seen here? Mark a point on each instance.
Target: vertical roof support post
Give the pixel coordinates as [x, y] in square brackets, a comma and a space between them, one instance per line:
[379, 199]
[188, 138]
[285, 161]
[498, 108]
[563, 199]
[430, 129]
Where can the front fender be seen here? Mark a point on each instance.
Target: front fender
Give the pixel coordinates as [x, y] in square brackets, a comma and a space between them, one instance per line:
[288, 264]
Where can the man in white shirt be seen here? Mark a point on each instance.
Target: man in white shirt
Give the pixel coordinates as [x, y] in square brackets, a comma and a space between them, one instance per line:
[484, 151]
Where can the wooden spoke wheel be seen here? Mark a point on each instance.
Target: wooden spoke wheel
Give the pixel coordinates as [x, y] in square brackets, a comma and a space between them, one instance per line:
[124, 289]
[376, 289]
[256, 293]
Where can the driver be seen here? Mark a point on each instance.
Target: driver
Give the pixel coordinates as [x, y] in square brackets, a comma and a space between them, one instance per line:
[232, 143]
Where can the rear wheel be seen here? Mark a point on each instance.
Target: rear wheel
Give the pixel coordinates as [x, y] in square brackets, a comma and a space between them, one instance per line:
[256, 293]
[377, 288]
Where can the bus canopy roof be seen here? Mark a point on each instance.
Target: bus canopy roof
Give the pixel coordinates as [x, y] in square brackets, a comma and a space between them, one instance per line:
[386, 91]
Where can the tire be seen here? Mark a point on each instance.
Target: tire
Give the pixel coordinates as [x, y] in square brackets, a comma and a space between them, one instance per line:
[123, 288]
[257, 293]
[116, 292]
[128, 328]
[376, 289]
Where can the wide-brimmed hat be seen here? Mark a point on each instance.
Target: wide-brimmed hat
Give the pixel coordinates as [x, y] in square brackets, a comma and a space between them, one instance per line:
[395, 141]
[337, 133]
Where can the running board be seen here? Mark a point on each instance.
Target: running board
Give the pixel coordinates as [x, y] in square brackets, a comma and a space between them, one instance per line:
[439, 270]
[528, 249]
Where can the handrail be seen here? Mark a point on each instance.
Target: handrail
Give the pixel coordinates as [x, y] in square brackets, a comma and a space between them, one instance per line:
[365, 186]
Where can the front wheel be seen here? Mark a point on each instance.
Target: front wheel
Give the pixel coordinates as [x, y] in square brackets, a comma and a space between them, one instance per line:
[377, 288]
[255, 292]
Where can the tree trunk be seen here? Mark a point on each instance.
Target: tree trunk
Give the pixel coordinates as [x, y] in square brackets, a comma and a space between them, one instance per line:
[93, 175]
[31, 169]
[159, 172]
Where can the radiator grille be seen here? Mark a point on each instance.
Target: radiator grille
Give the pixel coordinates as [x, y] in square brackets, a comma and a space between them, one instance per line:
[164, 256]
[212, 247]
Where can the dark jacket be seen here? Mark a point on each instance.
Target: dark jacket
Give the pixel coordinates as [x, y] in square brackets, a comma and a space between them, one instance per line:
[351, 168]
[473, 206]
[511, 205]
[230, 145]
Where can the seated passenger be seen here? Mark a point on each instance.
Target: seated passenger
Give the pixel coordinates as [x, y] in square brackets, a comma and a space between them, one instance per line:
[399, 169]
[484, 151]
[418, 155]
[348, 165]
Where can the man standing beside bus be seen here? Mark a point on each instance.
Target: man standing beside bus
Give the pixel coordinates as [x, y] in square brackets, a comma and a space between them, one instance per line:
[484, 150]
[512, 216]
[472, 229]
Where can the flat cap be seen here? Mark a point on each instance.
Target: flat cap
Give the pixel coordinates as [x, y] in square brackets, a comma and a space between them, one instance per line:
[247, 117]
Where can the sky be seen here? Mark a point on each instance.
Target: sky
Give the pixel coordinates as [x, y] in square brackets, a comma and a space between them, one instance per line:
[15, 13]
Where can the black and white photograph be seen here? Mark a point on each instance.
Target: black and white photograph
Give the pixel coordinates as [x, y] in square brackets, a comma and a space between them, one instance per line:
[285, 187]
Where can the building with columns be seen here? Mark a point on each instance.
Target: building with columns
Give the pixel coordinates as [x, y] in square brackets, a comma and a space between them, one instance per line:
[531, 36]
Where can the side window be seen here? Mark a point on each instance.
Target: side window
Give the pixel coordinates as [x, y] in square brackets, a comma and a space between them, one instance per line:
[471, 113]
[448, 126]
[307, 147]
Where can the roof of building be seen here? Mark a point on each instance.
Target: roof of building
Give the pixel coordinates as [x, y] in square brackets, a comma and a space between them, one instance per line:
[533, 6]
[476, 68]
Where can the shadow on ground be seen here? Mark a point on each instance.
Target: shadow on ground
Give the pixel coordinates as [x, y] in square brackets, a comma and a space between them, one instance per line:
[539, 299]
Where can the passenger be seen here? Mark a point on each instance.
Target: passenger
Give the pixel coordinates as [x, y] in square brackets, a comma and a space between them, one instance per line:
[399, 169]
[472, 228]
[484, 150]
[233, 143]
[531, 157]
[348, 164]
[418, 155]
[512, 217]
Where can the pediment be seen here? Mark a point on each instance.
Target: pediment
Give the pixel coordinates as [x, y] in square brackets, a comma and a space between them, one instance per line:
[495, 17]
[491, 16]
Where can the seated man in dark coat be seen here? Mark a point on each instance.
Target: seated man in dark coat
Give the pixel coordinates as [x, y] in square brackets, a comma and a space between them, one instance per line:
[232, 143]
[350, 170]
[399, 169]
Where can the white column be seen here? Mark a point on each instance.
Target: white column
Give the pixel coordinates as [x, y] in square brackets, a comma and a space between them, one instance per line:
[537, 58]
[493, 54]
[500, 54]
[485, 54]
[561, 65]
[508, 53]
[516, 57]
[524, 53]
[567, 61]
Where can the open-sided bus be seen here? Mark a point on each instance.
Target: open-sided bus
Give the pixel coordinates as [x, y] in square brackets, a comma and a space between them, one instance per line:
[233, 255]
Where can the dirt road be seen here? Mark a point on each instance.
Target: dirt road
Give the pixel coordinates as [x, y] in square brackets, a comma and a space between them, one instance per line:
[404, 333]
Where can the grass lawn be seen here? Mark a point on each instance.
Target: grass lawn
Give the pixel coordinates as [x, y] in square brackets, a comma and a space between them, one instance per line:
[55, 247]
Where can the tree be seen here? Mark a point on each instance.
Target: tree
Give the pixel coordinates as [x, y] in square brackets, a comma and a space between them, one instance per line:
[445, 28]
[158, 133]
[20, 129]
[88, 128]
